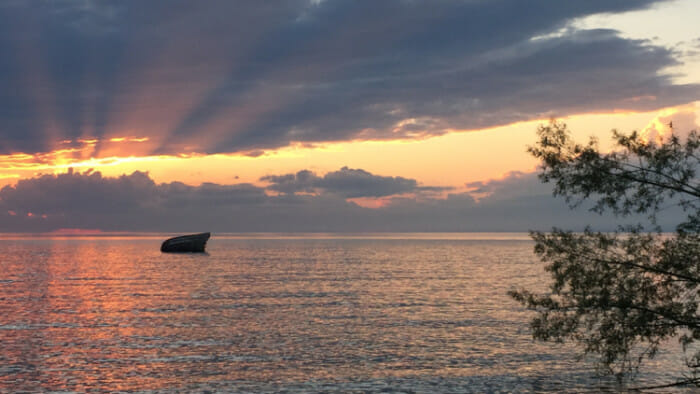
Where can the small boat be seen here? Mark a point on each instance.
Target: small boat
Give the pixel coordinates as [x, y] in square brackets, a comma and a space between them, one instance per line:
[193, 243]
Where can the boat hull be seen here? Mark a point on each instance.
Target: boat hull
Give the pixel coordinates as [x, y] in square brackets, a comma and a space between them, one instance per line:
[193, 243]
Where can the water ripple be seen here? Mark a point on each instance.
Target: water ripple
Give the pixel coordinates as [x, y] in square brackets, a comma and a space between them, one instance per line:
[278, 315]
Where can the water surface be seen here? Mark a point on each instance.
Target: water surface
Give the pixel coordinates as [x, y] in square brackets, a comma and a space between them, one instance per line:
[272, 312]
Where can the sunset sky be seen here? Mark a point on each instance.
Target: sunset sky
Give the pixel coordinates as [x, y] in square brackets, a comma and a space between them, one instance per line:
[321, 115]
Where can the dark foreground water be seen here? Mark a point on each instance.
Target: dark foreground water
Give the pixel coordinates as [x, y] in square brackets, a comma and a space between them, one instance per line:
[411, 313]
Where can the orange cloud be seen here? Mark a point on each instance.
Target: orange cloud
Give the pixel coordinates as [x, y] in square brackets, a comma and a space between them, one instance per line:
[678, 120]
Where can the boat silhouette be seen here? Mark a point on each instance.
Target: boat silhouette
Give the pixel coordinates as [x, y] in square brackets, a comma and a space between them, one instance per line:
[192, 243]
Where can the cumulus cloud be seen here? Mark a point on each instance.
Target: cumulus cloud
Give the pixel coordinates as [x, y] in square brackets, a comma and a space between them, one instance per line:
[679, 122]
[346, 182]
[90, 200]
[135, 202]
[244, 76]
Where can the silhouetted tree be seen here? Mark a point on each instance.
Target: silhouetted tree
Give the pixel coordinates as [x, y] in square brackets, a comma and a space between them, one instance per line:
[620, 295]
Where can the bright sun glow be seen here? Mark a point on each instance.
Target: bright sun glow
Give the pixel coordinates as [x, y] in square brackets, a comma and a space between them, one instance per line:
[452, 159]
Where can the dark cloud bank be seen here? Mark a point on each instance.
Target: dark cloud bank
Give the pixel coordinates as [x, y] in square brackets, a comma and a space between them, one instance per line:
[136, 203]
[271, 72]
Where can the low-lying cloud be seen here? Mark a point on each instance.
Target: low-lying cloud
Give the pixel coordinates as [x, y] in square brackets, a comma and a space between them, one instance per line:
[346, 182]
[290, 203]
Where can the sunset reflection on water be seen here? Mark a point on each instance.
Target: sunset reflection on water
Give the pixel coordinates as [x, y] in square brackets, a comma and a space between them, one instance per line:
[114, 314]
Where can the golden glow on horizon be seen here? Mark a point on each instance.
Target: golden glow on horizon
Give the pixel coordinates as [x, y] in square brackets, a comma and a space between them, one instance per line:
[452, 159]
[128, 139]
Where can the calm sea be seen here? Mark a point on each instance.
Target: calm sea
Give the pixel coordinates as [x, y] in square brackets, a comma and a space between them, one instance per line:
[270, 313]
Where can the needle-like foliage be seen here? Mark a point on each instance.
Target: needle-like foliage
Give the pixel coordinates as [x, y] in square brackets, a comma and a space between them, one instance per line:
[621, 295]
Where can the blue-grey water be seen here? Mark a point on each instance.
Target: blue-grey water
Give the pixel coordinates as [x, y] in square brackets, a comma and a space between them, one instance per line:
[263, 313]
